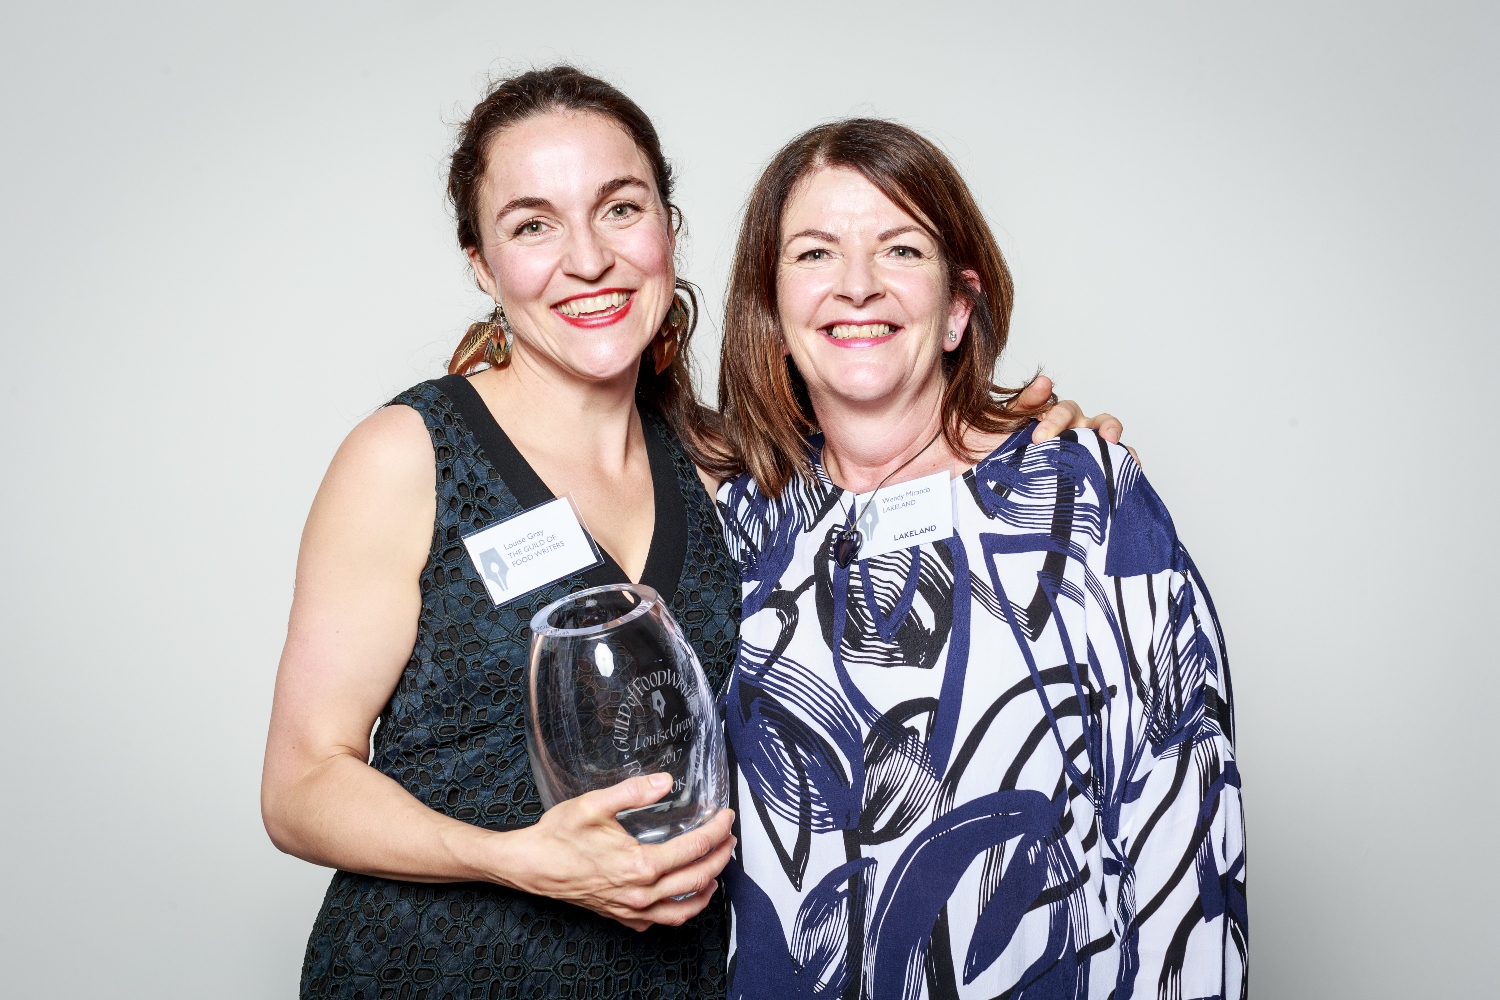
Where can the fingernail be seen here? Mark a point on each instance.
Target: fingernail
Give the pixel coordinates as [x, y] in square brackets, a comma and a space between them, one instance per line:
[661, 782]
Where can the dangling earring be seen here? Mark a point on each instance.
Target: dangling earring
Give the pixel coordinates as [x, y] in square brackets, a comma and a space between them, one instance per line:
[479, 344]
[497, 345]
[664, 344]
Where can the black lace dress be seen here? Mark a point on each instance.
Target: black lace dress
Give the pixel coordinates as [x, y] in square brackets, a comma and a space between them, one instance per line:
[453, 736]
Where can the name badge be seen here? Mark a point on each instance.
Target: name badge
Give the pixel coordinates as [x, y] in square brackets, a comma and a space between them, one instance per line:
[906, 514]
[531, 549]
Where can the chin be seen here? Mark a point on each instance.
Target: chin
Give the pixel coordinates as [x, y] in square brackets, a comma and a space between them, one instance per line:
[601, 353]
[864, 392]
[606, 366]
[860, 379]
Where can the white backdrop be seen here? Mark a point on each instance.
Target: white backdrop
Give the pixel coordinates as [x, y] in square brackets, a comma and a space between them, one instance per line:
[1263, 234]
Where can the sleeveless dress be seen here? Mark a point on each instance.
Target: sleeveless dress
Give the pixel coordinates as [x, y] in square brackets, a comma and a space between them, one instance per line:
[994, 765]
[453, 735]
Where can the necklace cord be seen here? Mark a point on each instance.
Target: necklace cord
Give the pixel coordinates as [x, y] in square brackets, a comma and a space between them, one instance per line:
[849, 524]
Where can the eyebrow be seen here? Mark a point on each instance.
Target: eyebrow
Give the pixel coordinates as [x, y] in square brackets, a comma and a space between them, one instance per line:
[892, 233]
[815, 234]
[610, 187]
[605, 190]
[819, 234]
[515, 203]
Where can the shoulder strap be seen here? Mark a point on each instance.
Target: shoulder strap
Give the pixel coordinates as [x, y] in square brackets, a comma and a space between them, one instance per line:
[522, 479]
[668, 552]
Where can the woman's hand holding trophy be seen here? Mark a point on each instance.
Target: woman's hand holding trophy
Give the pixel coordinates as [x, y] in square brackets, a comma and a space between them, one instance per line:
[590, 860]
[628, 756]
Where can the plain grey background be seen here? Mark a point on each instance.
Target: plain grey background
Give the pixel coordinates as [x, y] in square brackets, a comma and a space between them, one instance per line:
[1262, 234]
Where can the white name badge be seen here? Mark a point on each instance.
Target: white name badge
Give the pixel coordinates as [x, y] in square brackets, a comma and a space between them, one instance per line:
[906, 514]
[531, 550]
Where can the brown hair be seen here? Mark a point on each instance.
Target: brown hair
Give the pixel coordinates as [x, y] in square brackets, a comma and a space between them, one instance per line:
[511, 101]
[762, 397]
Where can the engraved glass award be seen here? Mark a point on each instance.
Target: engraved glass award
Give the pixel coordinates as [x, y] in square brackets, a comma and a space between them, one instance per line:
[616, 691]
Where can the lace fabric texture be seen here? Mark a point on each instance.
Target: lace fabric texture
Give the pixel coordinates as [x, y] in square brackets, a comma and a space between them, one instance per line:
[453, 734]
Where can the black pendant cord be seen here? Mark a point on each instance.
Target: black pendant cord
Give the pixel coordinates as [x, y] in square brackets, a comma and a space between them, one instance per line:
[846, 545]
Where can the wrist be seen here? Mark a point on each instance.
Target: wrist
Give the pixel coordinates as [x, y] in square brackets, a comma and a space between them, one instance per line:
[482, 855]
[498, 856]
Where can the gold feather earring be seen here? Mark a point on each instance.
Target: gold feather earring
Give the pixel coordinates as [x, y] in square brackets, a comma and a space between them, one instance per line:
[479, 343]
[497, 349]
[664, 345]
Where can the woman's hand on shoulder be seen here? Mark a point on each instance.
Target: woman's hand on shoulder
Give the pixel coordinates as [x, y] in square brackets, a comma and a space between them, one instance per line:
[579, 853]
[1068, 415]
[1065, 415]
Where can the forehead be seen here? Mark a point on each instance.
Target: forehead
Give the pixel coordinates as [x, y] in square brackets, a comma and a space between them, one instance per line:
[838, 199]
[561, 153]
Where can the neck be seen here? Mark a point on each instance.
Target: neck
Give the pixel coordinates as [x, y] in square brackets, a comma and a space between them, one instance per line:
[864, 445]
[555, 412]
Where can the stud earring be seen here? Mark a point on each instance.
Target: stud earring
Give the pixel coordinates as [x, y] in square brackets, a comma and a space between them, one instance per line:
[952, 336]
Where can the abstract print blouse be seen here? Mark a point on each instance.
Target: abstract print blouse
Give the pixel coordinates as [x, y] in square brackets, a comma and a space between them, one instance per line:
[996, 765]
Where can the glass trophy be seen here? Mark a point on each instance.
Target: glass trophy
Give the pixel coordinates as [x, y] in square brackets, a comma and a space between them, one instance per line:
[616, 691]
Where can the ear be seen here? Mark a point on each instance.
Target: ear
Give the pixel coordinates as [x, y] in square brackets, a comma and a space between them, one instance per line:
[482, 273]
[959, 311]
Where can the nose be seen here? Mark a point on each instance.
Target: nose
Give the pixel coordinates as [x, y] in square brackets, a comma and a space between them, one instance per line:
[588, 256]
[858, 283]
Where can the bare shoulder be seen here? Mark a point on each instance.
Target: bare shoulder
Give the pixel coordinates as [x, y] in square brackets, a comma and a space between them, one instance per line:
[358, 589]
[380, 481]
[391, 442]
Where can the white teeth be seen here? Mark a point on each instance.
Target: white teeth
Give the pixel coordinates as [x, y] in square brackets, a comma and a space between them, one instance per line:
[864, 331]
[594, 304]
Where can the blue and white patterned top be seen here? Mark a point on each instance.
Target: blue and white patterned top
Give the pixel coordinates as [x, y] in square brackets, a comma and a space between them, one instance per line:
[996, 765]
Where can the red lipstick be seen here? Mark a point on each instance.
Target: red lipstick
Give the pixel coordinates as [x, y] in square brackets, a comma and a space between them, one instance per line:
[603, 317]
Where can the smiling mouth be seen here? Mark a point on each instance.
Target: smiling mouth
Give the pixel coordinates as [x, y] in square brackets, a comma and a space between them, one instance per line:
[593, 306]
[860, 331]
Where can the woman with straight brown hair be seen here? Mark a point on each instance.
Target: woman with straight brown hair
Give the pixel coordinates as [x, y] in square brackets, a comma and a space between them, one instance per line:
[980, 721]
[451, 879]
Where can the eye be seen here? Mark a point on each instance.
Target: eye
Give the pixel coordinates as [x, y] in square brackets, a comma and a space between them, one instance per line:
[818, 254]
[532, 228]
[906, 253]
[623, 210]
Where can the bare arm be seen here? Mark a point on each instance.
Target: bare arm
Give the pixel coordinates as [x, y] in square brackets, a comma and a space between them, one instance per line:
[353, 625]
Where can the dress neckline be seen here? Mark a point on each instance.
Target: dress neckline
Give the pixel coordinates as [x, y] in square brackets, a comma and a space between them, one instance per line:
[668, 551]
[815, 447]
